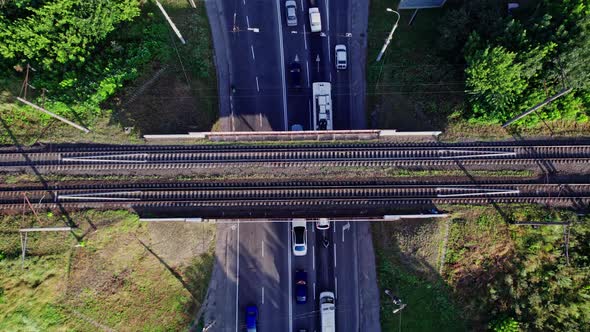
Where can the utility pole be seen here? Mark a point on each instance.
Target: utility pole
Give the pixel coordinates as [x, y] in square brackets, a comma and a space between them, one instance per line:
[53, 115]
[564, 91]
[388, 40]
[170, 22]
[25, 86]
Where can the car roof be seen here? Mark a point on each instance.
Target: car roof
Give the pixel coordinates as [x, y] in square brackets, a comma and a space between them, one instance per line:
[298, 222]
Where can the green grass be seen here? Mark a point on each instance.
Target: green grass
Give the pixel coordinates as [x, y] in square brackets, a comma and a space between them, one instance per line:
[113, 280]
[412, 87]
[428, 173]
[429, 303]
[407, 254]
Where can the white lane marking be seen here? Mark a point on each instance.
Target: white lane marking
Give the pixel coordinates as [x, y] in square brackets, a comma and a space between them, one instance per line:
[304, 36]
[302, 5]
[314, 290]
[330, 76]
[244, 1]
[334, 227]
[313, 257]
[252, 49]
[328, 14]
[247, 22]
[335, 287]
[308, 78]
[257, 86]
[284, 86]
[262, 294]
[237, 273]
[262, 248]
[334, 254]
[260, 120]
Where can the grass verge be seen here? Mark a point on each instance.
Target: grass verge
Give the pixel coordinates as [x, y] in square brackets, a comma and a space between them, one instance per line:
[114, 272]
[407, 254]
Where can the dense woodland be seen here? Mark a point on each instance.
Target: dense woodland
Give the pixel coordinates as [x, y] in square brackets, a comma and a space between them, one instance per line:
[517, 59]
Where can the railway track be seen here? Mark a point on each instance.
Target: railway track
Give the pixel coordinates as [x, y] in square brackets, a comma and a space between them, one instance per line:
[293, 194]
[120, 158]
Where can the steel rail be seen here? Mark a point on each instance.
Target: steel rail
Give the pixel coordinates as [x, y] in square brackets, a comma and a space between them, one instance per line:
[341, 203]
[82, 150]
[301, 193]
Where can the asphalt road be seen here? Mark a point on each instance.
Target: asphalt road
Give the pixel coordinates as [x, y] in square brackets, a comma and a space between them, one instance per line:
[256, 266]
[264, 278]
[315, 52]
[256, 76]
[254, 48]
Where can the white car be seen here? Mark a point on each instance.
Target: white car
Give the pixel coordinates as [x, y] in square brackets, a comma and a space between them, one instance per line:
[299, 234]
[291, 13]
[341, 57]
[323, 224]
[315, 20]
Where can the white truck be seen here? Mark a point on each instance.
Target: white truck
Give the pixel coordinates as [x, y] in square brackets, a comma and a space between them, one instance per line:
[322, 106]
[328, 311]
[315, 20]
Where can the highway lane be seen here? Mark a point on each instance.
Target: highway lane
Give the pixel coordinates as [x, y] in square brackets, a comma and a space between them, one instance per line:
[346, 276]
[305, 315]
[296, 49]
[315, 52]
[257, 100]
[340, 33]
[264, 277]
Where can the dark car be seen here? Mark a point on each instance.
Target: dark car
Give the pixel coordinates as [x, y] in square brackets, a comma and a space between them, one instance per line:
[300, 286]
[251, 318]
[295, 70]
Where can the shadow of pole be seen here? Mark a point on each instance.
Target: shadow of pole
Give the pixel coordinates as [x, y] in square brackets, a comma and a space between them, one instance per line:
[490, 200]
[38, 174]
[169, 268]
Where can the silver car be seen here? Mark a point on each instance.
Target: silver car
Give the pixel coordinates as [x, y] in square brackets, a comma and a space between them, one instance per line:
[291, 13]
[341, 58]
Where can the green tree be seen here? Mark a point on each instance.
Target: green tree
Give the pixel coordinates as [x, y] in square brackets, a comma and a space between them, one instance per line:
[495, 81]
[62, 31]
[508, 324]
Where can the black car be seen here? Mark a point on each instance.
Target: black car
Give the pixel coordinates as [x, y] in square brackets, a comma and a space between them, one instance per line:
[295, 70]
[300, 286]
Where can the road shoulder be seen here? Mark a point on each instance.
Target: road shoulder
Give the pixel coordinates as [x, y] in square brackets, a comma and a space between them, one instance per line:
[369, 292]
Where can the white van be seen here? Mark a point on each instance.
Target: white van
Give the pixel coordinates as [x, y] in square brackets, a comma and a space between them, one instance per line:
[315, 20]
[328, 311]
